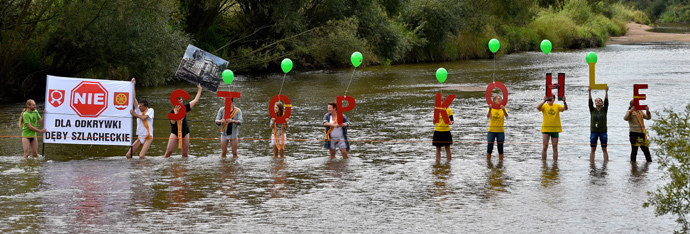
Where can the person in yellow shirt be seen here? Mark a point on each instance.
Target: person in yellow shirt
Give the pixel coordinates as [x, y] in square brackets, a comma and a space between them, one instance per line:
[551, 124]
[496, 131]
[442, 136]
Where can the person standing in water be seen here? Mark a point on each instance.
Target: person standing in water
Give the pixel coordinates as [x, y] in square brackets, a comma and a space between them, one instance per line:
[179, 130]
[638, 133]
[496, 130]
[28, 121]
[336, 133]
[598, 123]
[144, 116]
[551, 124]
[229, 129]
[442, 136]
[278, 131]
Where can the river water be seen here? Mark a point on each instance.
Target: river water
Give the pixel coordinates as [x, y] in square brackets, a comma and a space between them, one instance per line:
[391, 183]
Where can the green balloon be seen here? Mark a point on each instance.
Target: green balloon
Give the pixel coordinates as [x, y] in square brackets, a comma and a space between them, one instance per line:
[546, 46]
[228, 76]
[591, 57]
[441, 75]
[494, 45]
[356, 59]
[286, 65]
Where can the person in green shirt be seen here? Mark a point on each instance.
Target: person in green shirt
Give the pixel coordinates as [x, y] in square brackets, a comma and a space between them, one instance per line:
[598, 123]
[28, 121]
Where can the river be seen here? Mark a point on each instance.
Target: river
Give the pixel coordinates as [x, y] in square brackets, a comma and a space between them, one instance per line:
[391, 183]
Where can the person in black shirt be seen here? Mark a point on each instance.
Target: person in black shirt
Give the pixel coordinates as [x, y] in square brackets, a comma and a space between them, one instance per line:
[181, 133]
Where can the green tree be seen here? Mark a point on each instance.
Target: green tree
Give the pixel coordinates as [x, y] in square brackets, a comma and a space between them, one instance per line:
[98, 39]
[673, 135]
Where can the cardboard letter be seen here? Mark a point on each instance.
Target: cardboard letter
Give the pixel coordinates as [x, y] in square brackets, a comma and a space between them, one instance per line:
[490, 88]
[287, 111]
[440, 108]
[173, 99]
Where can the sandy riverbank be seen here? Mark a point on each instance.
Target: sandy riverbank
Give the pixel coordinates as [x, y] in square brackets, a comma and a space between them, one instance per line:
[637, 34]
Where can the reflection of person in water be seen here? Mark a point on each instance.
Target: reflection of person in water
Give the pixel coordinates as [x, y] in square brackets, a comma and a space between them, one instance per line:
[177, 193]
[549, 176]
[594, 172]
[442, 173]
[279, 176]
[495, 178]
[228, 175]
[636, 173]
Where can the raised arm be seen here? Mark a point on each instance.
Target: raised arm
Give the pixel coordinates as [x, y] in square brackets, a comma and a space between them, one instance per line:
[134, 93]
[565, 105]
[541, 104]
[198, 96]
[607, 93]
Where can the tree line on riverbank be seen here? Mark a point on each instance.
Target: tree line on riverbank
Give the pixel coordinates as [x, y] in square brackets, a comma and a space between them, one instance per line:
[146, 39]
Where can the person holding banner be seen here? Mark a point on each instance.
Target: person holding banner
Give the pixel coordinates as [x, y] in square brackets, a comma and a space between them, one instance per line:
[551, 124]
[496, 131]
[638, 133]
[336, 133]
[229, 128]
[144, 116]
[598, 123]
[28, 121]
[279, 130]
[180, 131]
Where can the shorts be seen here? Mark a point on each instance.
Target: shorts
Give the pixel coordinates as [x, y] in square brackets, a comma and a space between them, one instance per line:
[604, 137]
[31, 139]
[552, 134]
[224, 137]
[273, 142]
[442, 138]
[142, 138]
[338, 143]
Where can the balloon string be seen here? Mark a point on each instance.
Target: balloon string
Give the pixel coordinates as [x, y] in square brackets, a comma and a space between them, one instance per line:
[281, 86]
[493, 77]
[348, 84]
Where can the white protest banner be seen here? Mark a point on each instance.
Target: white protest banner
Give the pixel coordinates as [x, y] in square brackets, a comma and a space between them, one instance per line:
[88, 111]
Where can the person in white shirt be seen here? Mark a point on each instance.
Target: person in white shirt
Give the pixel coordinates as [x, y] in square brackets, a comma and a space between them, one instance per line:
[144, 116]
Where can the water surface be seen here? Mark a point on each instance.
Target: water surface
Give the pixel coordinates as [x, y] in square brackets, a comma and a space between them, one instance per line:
[391, 183]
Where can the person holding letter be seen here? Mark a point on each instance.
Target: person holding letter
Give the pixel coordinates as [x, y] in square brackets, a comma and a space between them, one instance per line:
[179, 130]
[28, 121]
[598, 128]
[336, 132]
[278, 131]
[229, 128]
[442, 136]
[638, 133]
[551, 124]
[496, 130]
[144, 116]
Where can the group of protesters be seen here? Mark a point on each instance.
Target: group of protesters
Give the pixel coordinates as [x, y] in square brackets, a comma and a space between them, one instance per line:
[335, 138]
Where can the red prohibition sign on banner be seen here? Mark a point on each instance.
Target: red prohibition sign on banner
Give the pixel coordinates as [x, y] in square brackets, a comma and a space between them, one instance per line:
[89, 99]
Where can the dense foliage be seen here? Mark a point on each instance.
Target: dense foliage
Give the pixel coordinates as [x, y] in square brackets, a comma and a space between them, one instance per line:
[673, 135]
[146, 39]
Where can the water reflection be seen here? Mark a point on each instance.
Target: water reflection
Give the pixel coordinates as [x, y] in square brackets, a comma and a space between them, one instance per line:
[336, 168]
[228, 174]
[442, 173]
[177, 193]
[89, 194]
[495, 179]
[549, 176]
[279, 176]
[142, 179]
[638, 174]
[597, 175]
